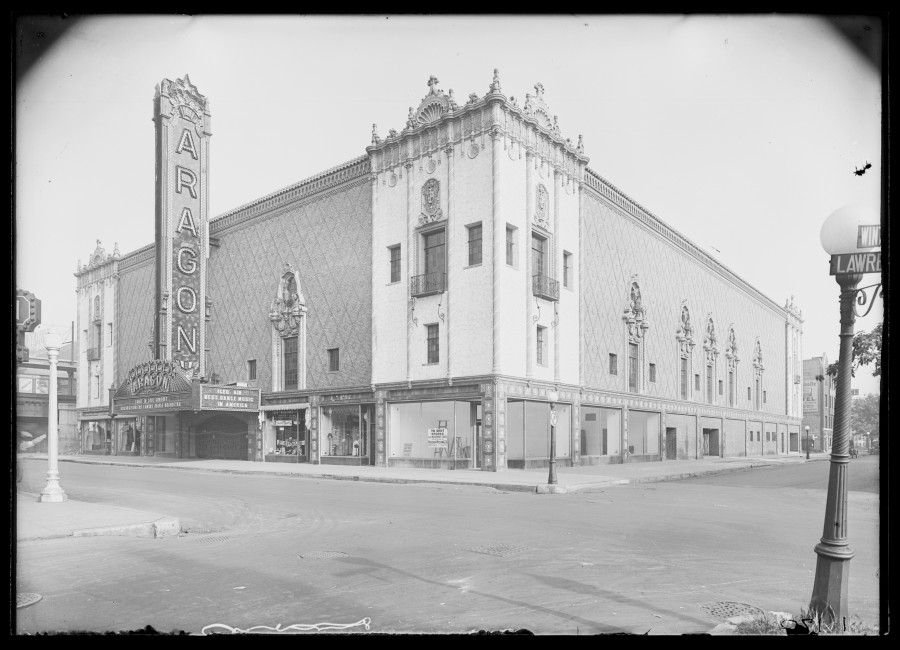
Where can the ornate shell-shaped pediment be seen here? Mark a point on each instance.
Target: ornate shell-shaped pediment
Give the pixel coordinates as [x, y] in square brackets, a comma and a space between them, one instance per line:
[434, 106]
[536, 107]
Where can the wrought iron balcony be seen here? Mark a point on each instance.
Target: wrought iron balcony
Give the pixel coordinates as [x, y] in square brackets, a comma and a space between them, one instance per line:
[427, 284]
[544, 287]
[93, 354]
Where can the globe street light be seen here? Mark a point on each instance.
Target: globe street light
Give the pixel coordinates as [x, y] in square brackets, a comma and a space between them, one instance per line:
[850, 236]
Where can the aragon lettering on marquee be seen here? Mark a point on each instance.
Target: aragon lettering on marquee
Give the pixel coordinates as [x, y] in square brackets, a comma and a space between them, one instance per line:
[192, 343]
[186, 143]
[187, 221]
[184, 177]
[190, 265]
[180, 300]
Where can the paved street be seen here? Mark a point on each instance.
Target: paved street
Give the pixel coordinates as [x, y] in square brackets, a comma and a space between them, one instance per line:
[270, 550]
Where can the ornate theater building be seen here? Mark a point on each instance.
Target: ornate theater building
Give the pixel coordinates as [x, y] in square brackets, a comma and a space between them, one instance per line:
[434, 303]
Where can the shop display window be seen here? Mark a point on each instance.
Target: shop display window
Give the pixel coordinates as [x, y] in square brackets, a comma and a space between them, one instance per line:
[600, 431]
[346, 430]
[410, 425]
[528, 430]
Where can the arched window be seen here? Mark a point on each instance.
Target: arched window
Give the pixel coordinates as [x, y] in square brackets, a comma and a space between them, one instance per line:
[288, 318]
[636, 325]
[685, 337]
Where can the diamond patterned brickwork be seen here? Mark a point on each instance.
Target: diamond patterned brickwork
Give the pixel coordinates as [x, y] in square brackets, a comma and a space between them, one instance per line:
[328, 239]
[614, 246]
[134, 316]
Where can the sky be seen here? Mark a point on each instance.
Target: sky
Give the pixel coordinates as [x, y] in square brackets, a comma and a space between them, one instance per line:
[742, 132]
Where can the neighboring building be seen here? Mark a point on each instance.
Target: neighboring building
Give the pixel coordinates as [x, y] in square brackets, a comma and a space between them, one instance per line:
[436, 302]
[33, 395]
[818, 403]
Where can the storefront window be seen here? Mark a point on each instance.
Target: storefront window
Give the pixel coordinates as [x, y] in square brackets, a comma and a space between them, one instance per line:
[528, 430]
[600, 431]
[643, 432]
[96, 437]
[410, 424]
[345, 431]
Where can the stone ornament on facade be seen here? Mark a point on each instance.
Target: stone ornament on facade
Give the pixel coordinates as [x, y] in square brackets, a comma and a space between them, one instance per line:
[537, 108]
[186, 99]
[685, 332]
[430, 166]
[731, 348]
[635, 316]
[375, 139]
[289, 306]
[97, 315]
[431, 202]
[432, 107]
[710, 341]
[758, 357]
[495, 83]
[541, 217]
[473, 150]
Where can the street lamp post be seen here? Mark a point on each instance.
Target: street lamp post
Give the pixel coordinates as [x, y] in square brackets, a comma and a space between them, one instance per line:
[551, 478]
[52, 492]
[807, 443]
[849, 240]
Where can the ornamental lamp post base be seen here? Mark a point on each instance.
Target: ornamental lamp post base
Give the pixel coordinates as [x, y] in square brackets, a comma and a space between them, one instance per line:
[830, 597]
[52, 492]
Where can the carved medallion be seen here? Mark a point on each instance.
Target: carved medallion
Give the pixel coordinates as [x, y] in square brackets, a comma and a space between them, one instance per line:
[473, 150]
[392, 179]
[431, 202]
[430, 166]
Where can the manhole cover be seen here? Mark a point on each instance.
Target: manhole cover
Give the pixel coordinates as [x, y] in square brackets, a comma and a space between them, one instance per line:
[24, 600]
[724, 611]
[321, 555]
[212, 539]
[500, 550]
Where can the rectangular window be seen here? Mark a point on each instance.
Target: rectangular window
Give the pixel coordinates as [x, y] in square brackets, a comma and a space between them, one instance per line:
[632, 367]
[289, 361]
[757, 394]
[567, 269]
[613, 365]
[97, 336]
[161, 434]
[721, 387]
[434, 349]
[395, 263]
[108, 334]
[435, 252]
[697, 381]
[251, 369]
[541, 346]
[653, 372]
[709, 384]
[474, 244]
[684, 379]
[748, 394]
[731, 388]
[538, 251]
[334, 359]
[511, 245]
[764, 396]
[96, 386]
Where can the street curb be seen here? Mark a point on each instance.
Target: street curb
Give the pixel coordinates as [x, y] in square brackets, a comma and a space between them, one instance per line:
[540, 488]
[163, 527]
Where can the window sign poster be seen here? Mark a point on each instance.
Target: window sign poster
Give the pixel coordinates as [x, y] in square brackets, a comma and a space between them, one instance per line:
[437, 437]
[810, 396]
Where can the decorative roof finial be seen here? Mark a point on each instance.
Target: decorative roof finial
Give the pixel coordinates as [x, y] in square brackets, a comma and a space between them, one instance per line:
[432, 85]
[495, 84]
[580, 147]
[375, 139]
[411, 119]
[115, 252]
[452, 101]
[539, 89]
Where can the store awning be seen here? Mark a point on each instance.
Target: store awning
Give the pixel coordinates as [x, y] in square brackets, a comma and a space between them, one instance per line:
[284, 407]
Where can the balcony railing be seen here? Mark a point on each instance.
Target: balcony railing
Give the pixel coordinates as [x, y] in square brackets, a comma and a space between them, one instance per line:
[93, 354]
[427, 284]
[544, 287]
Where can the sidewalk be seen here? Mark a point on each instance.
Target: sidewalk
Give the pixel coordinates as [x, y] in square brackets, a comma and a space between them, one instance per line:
[77, 518]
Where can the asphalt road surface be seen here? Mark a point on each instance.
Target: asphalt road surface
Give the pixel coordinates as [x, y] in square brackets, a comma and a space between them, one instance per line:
[299, 552]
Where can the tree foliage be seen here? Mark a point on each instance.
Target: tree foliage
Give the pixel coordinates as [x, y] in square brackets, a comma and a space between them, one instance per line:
[864, 416]
[866, 350]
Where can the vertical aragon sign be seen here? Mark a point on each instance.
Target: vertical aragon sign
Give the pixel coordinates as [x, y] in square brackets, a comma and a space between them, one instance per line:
[182, 240]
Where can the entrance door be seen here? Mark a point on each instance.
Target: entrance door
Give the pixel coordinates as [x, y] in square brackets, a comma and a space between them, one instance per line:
[705, 451]
[713, 442]
[671, 443]
[223, 437]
